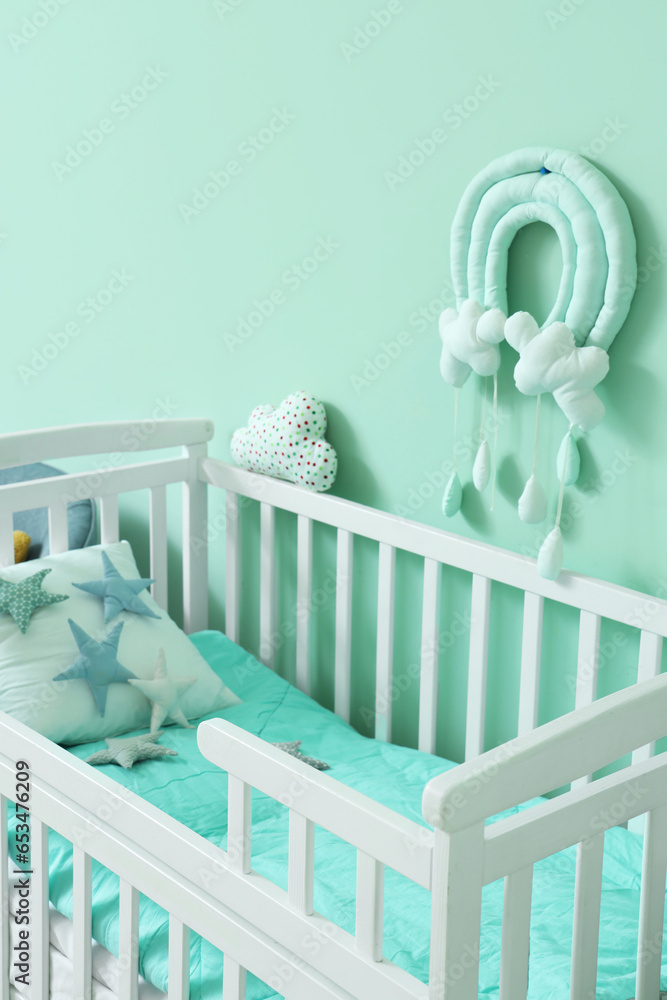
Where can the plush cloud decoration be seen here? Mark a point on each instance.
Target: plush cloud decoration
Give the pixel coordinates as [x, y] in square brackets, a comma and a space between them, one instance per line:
[288, 443]
[470, 341]
[550, 361]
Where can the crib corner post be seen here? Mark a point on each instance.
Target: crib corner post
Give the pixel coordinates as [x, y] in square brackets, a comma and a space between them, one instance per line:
[195, 547]
[456, 902]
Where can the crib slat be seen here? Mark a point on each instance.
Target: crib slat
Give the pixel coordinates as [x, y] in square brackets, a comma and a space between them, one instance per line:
[81, 919]
[39, 892]
[109, 525]
[232, 565]
[6, 539]
[370, 905]
[128, 943]
[304, 592]
[652, 905]
[428, 677]
[301, 862]
[179, 959]
[158, 544]
[384, 667]
[4, 893]
[58, 530]
[477, 665]
[267, 584]
[650, 663]
[586, 931]
[343, 622]
[516, 934]
[233, 980]
[531, 659]
[588, 657]
[239, 827]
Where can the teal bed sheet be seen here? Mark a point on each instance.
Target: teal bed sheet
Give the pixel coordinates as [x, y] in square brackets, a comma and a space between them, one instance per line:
[193, 790]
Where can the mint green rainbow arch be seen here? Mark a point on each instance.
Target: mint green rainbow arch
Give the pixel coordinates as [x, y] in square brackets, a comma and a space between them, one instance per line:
[589, 217]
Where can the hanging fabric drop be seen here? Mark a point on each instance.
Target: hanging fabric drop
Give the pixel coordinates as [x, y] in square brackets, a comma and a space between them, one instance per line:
[533, 501]
[481, 469]
[550, 556]
[451, 501]
[495, 439]
[568, 461]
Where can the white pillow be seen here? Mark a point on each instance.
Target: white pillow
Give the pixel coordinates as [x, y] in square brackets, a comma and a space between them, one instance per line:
[65, 711]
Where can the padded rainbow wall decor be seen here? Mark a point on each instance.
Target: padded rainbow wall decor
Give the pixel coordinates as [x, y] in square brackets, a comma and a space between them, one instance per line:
[567, 357]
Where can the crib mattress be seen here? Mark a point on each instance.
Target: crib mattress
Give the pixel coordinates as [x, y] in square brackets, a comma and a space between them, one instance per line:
[194, 791]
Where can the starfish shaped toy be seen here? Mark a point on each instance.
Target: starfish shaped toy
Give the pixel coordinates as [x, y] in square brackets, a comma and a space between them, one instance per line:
[126, 752]
[118, 594]
[165, 694]
[96, 663]
[293, 750]
[22, 598]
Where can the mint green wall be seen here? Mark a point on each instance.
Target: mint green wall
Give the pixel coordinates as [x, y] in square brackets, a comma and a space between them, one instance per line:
[333, 112]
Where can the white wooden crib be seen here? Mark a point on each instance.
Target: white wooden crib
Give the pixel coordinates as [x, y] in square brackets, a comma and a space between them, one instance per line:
[260, 927]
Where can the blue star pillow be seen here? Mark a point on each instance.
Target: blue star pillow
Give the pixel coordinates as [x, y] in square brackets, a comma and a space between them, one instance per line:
[69, 681]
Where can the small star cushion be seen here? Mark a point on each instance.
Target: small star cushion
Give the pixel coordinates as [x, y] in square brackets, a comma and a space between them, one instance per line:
[97, 663]
[165, 694]
[21, 599]
[118, 594]
[126, 752]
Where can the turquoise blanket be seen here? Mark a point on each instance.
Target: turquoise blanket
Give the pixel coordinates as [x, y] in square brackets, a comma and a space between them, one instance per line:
[194, 791]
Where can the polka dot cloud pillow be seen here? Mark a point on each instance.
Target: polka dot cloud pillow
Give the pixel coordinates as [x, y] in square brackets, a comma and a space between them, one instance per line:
[288, 442]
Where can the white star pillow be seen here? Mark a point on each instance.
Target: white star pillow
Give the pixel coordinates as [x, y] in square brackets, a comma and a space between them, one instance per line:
[165, 694]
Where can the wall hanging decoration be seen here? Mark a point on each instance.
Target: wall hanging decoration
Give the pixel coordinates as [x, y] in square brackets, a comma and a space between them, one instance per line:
[565, 357]
[288, 442]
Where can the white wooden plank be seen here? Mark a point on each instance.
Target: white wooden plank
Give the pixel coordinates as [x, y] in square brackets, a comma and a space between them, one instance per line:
[428, 677]
[267, 585]
[588, 658]
[81, 919]
[232, 566]
[58, 530]
[39, 905]
[598, 596]
[477, 665]
[4, 899]
[531, 660]
[179, 959]
[650, 664]
[515, 944]
[6, 538]
[370, 906]
[652, 905]
[456, 911]
[158, 546]
[109, 524]
[239, 827]
[301, 862]
[384, 667]
[128, 941]
[304, 592]
[233, 980]
[344, 555]
[195, 557]
[586, 930]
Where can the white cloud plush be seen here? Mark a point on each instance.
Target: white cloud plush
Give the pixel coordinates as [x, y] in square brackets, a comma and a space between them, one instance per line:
[470, 341]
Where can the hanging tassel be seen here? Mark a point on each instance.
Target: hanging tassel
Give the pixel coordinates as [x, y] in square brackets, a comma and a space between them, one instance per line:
[533, 501]
[568, 462]
[495, 439]
[451, 501]
[550, 557]
[481, 469]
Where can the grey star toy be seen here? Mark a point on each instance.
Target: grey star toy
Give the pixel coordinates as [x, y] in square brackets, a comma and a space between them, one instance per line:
[126, 752]
[293, 750]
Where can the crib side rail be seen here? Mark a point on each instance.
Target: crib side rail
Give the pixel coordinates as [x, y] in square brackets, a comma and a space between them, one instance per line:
[572, 746]
[258, 926]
